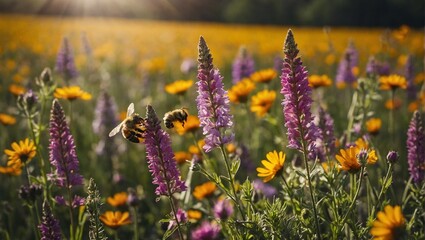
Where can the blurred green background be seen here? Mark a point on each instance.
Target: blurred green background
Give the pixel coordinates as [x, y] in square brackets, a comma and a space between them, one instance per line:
[370, 13]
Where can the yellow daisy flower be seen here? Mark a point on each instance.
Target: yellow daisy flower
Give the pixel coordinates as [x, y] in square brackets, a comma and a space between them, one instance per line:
[195, 150]
[115, 219]
[316, 81]
[16, 89]
[194, 215]
[182, 156]
[119, 199]
[272, 166]
[22, 152]
[191, 125]
[72, 93]
[373, 125]
[264, 76]
[389, 224]
[7, 119]
[349, 161]
[231, 148]
[14, 169]
[240, 91]
[262, 102]
[178, 87]
[204, 190]
[392, 82]
[392, 105]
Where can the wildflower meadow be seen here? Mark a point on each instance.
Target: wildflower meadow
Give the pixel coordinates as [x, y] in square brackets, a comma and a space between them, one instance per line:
[141, 129]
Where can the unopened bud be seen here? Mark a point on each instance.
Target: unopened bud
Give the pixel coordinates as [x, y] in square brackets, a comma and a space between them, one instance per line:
[392, 157]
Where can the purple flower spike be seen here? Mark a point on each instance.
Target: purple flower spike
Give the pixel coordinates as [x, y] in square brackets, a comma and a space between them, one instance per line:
[326, 126]
[410, 77]
[223, 209]
[243, 65]
[212, 101]
[62, 154]
[162, 164]
[345, 74]
[65, 61]
[297, 99]
[207, 231]
[416, 148]
[49, 227]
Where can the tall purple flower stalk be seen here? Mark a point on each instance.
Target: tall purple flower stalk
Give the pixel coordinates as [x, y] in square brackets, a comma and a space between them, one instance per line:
[49, 226]
[212, 101]
[65, 64]
[409, 73]
[297, 99]
[243, 65]
[105, 119]
[302, 132]
[62, 154]
[374, 67]
[326, 127]
[349, 60]
[416, 148]
[162, 164]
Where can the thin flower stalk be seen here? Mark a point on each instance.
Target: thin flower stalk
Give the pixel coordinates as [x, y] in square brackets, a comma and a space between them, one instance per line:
[302, 132]
[63, 157]
[354, 199]
[214, 110]
[162, 164]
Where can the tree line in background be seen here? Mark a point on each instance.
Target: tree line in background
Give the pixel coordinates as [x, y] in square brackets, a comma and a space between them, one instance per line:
[376, 13]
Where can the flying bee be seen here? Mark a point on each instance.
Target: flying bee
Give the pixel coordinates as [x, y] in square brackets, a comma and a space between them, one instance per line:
[180, 115]
[132, 128]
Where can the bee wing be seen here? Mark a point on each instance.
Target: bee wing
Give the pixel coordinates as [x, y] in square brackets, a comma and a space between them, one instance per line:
[130, 109]
[116, 130]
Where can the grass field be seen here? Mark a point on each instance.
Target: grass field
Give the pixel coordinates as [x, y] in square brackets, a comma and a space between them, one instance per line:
[132, 61]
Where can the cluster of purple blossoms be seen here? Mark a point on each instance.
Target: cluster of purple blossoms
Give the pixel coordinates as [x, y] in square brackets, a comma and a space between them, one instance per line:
[326, 127]
[65, 64]
[207, 231]
[212, 101]
[161, 162]
[49, 226]
[243, 65]
[264, 189]
[416, 148]
[409, 73]
[223, 209]
[297, 100]
[62, 154]
[345, 68]
[181, 216]
[105, 119]
[373, 67]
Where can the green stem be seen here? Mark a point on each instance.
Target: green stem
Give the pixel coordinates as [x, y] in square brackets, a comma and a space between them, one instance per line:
[34, 218]
[40, 156]
[136, 229]
[350, 116]
[291, 196]
[71, 214]
[355, 197]
[391, 121]
[175, 214]
[310, 187]
[390, 168]
[231, 181]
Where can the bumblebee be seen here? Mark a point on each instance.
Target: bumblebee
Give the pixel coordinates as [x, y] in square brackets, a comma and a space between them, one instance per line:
[132, 128]
[180, 115]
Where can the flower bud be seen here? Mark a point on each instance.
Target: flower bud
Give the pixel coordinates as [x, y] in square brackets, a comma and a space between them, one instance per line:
[392, 157]
[362, 157]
